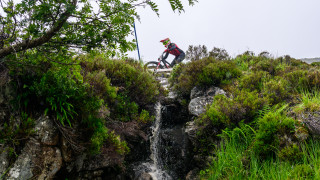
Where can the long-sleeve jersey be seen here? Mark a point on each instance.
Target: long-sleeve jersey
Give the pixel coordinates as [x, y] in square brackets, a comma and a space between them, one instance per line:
[172, 49]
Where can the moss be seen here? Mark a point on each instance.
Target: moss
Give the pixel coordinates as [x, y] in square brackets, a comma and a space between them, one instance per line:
[291, 153]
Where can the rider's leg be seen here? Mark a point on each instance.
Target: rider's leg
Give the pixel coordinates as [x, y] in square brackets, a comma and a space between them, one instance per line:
[174, 62]
[178, 59]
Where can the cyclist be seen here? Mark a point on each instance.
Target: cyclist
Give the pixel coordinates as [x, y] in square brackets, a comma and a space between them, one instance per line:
[173, 49]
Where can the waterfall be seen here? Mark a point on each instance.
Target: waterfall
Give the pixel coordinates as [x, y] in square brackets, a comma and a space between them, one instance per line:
[154, 167]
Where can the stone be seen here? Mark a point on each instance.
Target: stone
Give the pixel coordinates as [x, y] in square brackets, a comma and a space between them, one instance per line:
[174, 149]
[198, 105]
[191, 131]
[39, 159]
[52, 162]
[36, 161]
[201, 98]
[144, 176]
[197, 92]
[312, 121]
[22, 167]
[47, 131]
[4, 159]
[193, 175]
[66, 150]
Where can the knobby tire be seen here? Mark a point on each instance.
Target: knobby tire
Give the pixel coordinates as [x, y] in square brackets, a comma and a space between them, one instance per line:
[152, 65]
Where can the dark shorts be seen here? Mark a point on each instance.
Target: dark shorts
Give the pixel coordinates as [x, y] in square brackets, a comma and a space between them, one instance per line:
[178, 59]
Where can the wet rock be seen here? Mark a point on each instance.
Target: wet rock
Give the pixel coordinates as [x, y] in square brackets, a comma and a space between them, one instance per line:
[202, 161]
[175, 151]
[66, 150]
[144, 176]
[136, 137]
[36, 161]
[4, 159]
[46, 131]
[201, 98]
[198, 105]
[191, 131]
[197, 92]
[22, 168]
[51, 163]
[193, 175]
[173, 114]
[204, 91]
[312, 121]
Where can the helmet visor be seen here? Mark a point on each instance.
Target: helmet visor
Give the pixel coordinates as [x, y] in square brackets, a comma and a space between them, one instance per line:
[165, 42]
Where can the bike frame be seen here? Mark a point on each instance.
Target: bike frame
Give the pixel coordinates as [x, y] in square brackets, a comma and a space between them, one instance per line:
[165, 63]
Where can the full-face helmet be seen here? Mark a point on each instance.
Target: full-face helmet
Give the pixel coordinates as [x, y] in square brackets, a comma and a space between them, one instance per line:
[166, 42]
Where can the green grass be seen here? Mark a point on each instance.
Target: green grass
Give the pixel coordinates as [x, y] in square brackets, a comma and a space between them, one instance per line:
[309, 102]
[234, 160]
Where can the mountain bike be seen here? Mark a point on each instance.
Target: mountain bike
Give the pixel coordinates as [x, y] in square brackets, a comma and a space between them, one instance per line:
[161, 64]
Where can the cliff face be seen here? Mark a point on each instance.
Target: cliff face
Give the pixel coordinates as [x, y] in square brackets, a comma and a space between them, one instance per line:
[48, 151]
[47, 154]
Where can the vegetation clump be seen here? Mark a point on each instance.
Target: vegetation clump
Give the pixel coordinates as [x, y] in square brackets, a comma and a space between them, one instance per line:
[258, 123]
[204, 72]
[88, 95]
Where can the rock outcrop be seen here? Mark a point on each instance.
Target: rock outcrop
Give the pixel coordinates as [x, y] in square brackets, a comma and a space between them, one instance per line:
[201, 98]
[39, 158]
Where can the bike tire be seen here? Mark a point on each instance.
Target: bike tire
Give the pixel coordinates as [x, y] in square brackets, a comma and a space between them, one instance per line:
[152, 65]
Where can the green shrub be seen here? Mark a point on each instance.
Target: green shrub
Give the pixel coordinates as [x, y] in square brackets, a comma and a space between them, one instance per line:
[316, 64]
[100, 85]
[272, 125]
[229, 111]
[14, 132]
[220, 72]
[129, 77]
[304, 80]
[276, 90]
[204, 72]
[145, 117]
[184, 77]
[254, 81]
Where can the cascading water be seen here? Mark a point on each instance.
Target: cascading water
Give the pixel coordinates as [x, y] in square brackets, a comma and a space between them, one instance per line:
[154, 167]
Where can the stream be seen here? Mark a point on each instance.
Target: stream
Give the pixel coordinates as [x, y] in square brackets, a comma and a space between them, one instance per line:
[154, 167]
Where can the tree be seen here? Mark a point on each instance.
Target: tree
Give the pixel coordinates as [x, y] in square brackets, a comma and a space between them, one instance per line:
[219, 53]
[195, 53]
[68, 24]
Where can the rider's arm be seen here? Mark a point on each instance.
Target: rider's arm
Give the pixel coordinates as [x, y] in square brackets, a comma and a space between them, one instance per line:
[172, 46]
[165, 54]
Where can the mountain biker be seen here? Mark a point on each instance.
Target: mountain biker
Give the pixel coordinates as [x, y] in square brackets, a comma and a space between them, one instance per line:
[173, 49]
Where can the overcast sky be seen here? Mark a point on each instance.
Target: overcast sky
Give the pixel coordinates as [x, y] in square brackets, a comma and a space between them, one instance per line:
[280, 27]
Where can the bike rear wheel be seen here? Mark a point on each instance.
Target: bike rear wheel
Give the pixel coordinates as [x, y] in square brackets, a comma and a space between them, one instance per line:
[153, 65]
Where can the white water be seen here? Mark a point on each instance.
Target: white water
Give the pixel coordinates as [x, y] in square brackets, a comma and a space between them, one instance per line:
[154, 167]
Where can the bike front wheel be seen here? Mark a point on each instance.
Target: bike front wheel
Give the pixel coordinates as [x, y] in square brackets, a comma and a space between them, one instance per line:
[153, 65]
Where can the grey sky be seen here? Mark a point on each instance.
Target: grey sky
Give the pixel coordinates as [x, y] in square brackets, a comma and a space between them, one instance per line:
[278, 26]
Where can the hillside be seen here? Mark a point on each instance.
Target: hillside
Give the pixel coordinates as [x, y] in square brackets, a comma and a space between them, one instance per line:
[248, 117]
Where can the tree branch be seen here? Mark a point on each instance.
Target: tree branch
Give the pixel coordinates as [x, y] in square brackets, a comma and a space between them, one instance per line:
[43, 39]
